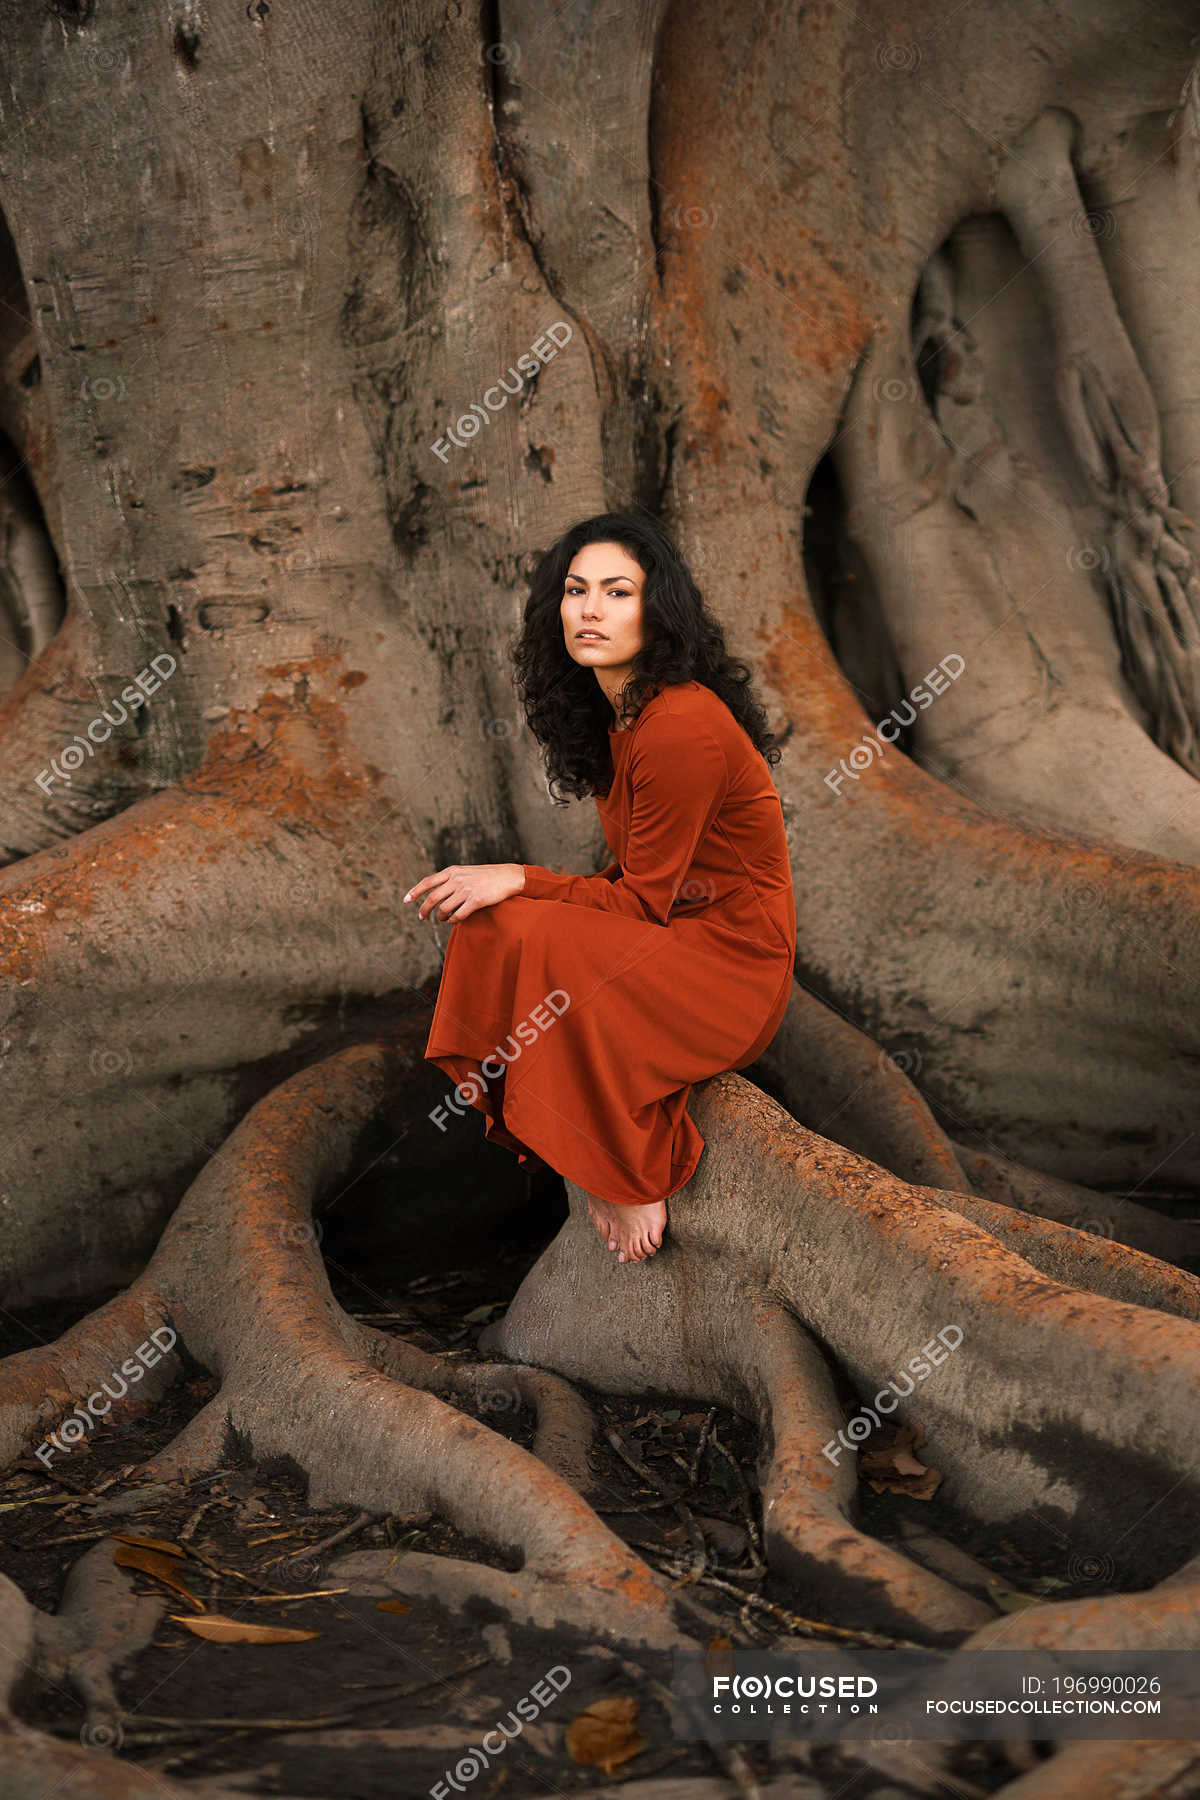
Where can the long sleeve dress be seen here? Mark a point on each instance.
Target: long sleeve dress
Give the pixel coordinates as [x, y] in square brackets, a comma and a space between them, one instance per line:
[577, 1014]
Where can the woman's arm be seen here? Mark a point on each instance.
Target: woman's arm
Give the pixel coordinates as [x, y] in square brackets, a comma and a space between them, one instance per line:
[679, 782]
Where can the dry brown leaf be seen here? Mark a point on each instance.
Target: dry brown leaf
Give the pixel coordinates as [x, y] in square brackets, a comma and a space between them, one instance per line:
[894, 1469]
[162, 1568]
[235, 1631]
[399, 1606]
[718, 1656]
[168, 1549]
[604, 1736]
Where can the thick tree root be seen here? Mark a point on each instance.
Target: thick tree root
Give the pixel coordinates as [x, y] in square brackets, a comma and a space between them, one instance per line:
[100, 1624]
[48, 709]
[829, 1251]
[1084, 1260]
[806, 1498]
[208, 1004]
[565, 1425]
[875, 1270]
[839, 1082]
[1112, 420]
[995, 1177]
[302, 1381]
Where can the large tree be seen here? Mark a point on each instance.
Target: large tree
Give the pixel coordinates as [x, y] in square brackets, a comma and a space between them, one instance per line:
[316, 331]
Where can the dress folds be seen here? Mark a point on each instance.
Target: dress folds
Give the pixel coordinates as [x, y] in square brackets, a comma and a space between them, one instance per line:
[576, 1015]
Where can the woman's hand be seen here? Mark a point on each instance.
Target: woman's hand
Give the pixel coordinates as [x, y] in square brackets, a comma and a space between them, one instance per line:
[455, 893]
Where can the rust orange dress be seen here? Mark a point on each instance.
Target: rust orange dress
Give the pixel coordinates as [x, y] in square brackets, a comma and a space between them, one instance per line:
[576, 1014]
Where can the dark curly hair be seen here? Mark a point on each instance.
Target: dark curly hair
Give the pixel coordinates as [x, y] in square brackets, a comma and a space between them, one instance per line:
[564, 704]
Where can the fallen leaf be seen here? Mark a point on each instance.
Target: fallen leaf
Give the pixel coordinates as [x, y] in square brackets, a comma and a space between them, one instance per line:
[168, 1549]
[718, 1656]
[481, 1313]
[154, 1563]
[604, 1736]
[397, 1606]
[234, 1631]
[892, 1468]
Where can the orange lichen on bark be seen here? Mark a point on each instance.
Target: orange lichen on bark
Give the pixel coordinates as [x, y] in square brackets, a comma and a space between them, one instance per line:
[289, 756]
[288, 759]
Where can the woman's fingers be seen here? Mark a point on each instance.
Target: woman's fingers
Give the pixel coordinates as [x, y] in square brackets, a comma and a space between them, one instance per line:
[438, 890]
[427, 882]
[461, 890]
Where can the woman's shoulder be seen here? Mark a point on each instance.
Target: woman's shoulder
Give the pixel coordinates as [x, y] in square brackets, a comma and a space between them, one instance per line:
[685, 709]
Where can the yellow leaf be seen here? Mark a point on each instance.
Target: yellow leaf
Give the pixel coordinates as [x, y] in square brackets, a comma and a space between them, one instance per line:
[605, 1736]
[153, 1562]
[398, 1606]
[234, 1631]
[168, 1549]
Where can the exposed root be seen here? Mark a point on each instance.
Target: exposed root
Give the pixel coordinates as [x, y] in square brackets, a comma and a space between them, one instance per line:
[1164, 1617]
[48, 709]
[833, 1252]
[1082, 1259]
[997, 1178]
[566, 1424]
[100, 1624]
[302, 1381]
[31, 600]
[1112, 420]
[839, 1082]
[944, 1558]
[835, 1080]
[700, 1335]
[875, 1269]
[268, 907]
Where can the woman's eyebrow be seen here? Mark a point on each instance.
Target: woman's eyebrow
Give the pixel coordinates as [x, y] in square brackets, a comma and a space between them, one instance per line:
[604, 579]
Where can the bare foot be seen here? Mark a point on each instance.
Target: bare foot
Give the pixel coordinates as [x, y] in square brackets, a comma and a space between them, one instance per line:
[634, 1232]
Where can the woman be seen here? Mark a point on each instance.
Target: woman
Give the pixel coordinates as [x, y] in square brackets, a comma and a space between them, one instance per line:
[576, 1011]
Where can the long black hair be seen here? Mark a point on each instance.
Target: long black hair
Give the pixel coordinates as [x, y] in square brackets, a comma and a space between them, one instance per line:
[564, 704]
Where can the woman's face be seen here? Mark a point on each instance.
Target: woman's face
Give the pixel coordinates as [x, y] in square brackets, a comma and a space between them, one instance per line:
[602, 595]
